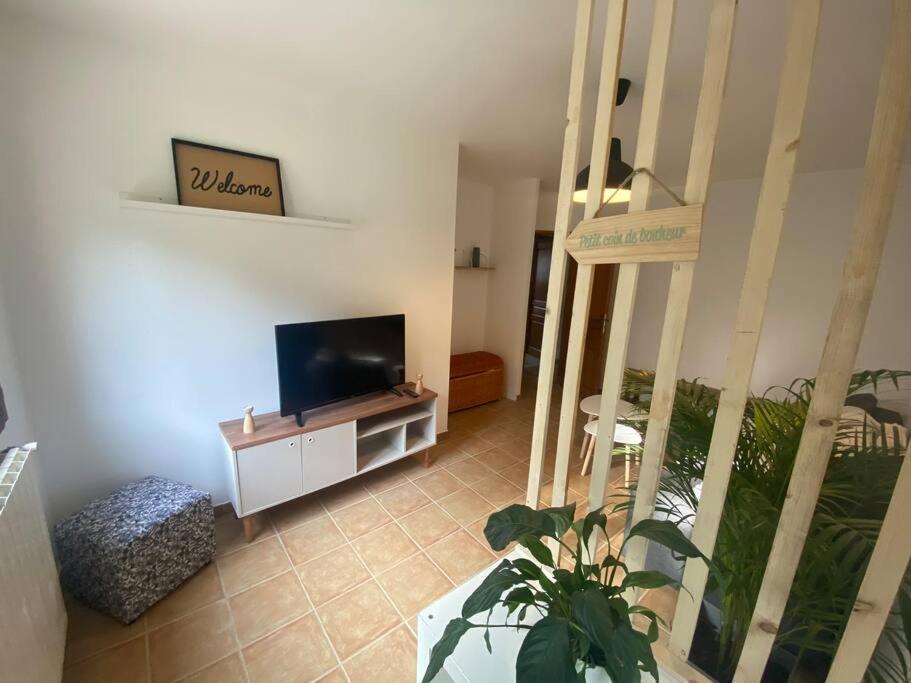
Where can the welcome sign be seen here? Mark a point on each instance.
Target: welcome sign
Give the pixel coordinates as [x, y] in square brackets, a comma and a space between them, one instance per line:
[640, 237]
[219, 178]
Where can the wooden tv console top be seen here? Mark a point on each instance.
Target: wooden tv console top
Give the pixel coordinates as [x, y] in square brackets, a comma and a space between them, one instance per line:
[272, 426]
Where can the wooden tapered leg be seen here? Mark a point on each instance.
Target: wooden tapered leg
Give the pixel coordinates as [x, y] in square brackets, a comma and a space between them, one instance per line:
[588, 454]
[626, 471]
[249, 533]
[427, 458]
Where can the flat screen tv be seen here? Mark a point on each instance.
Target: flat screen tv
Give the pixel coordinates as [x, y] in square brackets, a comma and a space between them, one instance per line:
[331, 360]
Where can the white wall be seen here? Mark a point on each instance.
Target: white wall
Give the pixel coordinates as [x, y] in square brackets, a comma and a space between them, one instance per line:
[474, 223]
[137, 332]
[18, 429]
[490, 307]
[547, 210]
[512, 243]
[817, 230]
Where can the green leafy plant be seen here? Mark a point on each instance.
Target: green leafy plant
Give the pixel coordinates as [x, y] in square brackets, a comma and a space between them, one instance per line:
[583, 617]
[858, 485]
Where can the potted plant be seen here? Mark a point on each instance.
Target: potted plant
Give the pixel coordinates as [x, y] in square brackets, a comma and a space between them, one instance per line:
[580, 626]
[863, 467]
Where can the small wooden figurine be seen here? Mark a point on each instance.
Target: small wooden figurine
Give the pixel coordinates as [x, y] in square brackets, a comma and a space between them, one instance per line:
[419, 385]
[249, 424]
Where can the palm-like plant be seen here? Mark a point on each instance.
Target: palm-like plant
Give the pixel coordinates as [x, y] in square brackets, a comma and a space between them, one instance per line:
[852, 503]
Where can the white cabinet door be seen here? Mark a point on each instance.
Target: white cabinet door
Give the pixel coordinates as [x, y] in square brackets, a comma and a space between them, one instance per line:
[269, 473]
[329, 455]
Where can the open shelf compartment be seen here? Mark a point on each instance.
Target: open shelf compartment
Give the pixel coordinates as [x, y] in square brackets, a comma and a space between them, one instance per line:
[381, 448]
[375, 424]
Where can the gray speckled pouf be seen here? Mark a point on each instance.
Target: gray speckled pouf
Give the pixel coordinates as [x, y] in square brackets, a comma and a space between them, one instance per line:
[123, 553]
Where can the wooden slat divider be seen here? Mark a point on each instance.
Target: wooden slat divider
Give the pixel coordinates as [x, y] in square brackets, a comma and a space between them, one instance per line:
[627, 279]
[570, 162]
[781, 161]
[702, 153]
[604, 117]
[888, 140]
[882, 580]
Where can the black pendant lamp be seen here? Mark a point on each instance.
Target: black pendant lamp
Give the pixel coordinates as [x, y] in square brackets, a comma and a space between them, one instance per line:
[617, 169]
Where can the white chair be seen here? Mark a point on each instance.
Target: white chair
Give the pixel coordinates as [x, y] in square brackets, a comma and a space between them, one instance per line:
[591, 406]
[623, 434]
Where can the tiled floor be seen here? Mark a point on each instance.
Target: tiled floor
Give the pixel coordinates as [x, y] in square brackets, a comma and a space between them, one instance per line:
[330, 587]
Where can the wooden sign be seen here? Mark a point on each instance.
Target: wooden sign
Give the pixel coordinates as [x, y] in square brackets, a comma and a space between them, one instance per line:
[218, 178]
[639, 237]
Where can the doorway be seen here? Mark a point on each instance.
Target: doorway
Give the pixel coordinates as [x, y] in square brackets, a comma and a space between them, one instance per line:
[599, 316]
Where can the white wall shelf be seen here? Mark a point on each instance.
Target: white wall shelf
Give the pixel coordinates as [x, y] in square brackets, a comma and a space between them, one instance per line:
[131, 201]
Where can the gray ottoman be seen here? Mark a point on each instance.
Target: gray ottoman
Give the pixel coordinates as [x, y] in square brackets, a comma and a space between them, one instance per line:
[123, 553]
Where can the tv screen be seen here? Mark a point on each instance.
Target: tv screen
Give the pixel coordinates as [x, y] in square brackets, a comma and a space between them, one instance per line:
[332, 360]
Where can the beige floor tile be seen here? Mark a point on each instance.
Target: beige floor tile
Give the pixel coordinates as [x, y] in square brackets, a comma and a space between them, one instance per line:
[428, 525]
[296, 512]
[199, 590]
[438, 484]
[414, 584]
[449, 455]
[496, 490]
[496, 459]
[402, 499]
[343, 495]
[334, 676]
[460, 556]
[517, 474]
[383, 479]
[331, 575]
[465, 506]
[413, 467]
[229, 531]
[126, 662]
[360, 518]
[474, 445]
[89, 632]
[251, 565]
[227, 670]
[662, 601]
[518, 448]
[469, 470]
[263, 608]
[358, 618]
[191, 643]
[298, 652]
[496, 434]
[391, 659]
[384, 547]
[310, 540]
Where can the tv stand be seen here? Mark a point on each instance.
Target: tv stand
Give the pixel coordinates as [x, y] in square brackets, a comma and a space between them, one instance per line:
[395, 391]
[288, 457]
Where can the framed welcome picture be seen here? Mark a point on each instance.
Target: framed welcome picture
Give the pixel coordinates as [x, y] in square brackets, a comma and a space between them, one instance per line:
[219, 178]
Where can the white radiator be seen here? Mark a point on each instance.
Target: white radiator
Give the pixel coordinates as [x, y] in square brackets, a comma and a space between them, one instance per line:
[32, 614]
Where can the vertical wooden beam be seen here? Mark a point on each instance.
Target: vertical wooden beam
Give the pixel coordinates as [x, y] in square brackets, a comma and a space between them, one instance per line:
[627, 279]
[876, 596]
[604, 118]
[705, 135]
[773, 199]
[888, 139]
[568, 167]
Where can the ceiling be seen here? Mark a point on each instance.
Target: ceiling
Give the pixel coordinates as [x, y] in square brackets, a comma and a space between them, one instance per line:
[497, 71]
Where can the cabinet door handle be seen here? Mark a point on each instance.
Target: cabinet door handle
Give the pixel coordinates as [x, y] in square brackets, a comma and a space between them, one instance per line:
[309, 439]
[290, 444]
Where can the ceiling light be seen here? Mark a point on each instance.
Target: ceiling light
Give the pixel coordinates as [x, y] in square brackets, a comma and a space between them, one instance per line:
[617, 172]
